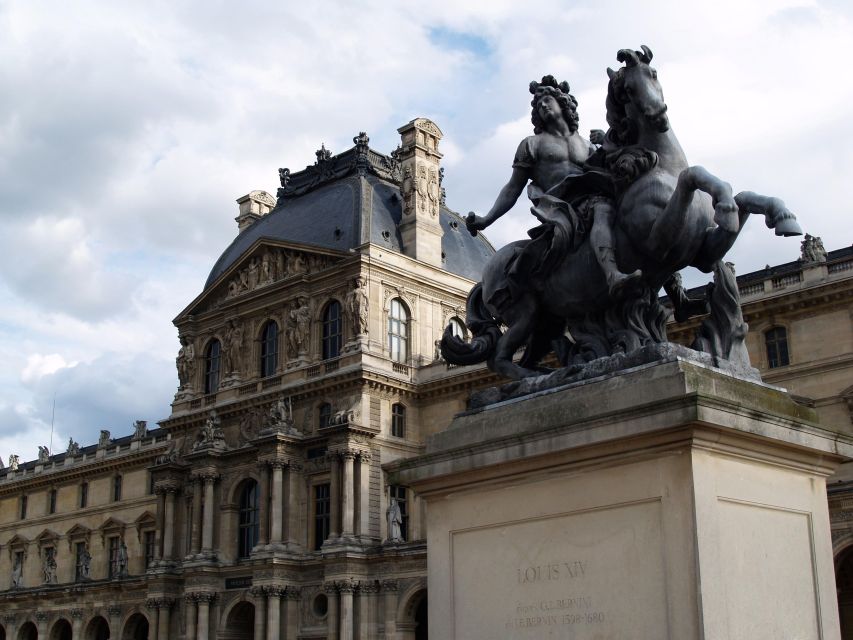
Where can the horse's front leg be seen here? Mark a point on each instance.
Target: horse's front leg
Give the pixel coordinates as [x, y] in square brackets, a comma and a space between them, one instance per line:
[671, 225]
[776, 214]
[521, 320]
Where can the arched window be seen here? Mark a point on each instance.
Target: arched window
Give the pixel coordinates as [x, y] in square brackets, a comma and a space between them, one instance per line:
[776, 341]
[248, 524]
[211, 366]
[269, 349]
[398, 420]
[398, 331]
[325, 414]
[457, 328]
[332, 330]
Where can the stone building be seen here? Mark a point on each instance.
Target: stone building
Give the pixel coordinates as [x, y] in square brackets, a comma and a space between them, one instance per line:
[258, 509]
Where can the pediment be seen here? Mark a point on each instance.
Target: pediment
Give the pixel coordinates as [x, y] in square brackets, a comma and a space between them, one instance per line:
[47, 537]
[78, 531]
[261, 266]
[112, 525]
[144, 521]
[18, 541]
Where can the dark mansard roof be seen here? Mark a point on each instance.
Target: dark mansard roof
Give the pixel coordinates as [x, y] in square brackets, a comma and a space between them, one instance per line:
[344, 201]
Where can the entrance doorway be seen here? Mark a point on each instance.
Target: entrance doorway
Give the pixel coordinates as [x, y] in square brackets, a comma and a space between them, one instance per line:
[136, 628]
[240, 624]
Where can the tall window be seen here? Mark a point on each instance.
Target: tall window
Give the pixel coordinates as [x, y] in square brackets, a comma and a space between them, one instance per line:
[150, 543]
[322, 514]
[116, 488]
[398, 331]
[211, 366]
[325, 414]
[776, 341]
[269, 349]
[84, 495]
[248, 526]
[399, 493]
[398, 420]
[51, 501]
[113, 548]
[23, 508]
[332, 330]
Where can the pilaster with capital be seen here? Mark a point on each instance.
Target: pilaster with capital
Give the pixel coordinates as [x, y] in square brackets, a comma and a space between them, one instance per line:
[293, 595]
[209, 479]
[205, 600]
[274, 595]
[389, 588]
[332, 616]
[346, 588]
[363, 484]
[367, 590]
[191, 614]
[260, 597]
[167, 489]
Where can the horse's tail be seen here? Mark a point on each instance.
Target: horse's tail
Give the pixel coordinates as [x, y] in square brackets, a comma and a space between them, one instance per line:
[484, 329]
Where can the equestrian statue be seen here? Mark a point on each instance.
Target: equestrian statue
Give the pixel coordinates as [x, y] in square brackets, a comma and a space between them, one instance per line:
[620, 216]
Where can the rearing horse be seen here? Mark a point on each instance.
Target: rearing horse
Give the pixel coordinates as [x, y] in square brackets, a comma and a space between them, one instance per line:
[669, 215]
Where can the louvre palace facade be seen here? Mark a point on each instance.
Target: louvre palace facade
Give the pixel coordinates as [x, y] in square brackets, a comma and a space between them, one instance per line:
[259, 508]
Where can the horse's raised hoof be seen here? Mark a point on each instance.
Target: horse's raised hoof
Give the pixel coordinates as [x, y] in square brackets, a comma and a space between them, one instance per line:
[621, 285]
[787, 226]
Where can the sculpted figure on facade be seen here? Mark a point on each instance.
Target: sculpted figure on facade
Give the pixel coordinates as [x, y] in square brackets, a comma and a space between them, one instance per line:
[121, 560]
[13, 462]
[85, 563]
[232, 347]
[73, 448]
[298, 328]
[395, 521]
[185, 362]
[44, 454]
[811, 249]
[49, 565]
[358, 307]
[281, 412]
[17, 578]
[140, 429]
[617, 223]
[210, 433]
[104, 439]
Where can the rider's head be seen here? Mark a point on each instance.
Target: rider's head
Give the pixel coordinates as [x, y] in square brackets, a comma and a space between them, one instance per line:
[560, 92]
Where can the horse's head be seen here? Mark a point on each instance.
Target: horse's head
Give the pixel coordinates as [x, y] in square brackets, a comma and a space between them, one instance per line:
[634, 96]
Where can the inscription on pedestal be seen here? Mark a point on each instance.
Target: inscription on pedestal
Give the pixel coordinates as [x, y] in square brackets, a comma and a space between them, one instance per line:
[587, 575]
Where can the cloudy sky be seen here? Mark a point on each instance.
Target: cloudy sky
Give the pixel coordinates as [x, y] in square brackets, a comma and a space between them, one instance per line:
[127, 131]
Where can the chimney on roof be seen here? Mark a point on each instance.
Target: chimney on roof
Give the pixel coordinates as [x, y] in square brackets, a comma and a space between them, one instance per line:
[419, 158]
[253, 206]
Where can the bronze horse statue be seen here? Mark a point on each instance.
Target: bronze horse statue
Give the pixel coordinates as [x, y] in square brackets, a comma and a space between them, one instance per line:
[669, 215]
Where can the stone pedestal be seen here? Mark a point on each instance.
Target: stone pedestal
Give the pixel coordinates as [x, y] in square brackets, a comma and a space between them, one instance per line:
[666, 501]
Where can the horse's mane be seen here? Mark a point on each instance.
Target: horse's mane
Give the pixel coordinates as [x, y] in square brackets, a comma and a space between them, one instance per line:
[623, 131]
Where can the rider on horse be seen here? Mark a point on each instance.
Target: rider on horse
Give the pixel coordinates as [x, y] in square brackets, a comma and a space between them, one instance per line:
[572, 203]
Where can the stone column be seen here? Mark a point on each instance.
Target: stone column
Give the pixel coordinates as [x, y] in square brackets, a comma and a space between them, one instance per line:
[389, 588]
[153, 627]
[335, 491]
[292, 501]
[162, 606]
[274, 613]
[169, 524]
[367, 590]
[76, 624]
[263, 533]
[204, 602]
[260, 613]
[346, 588]
[293, 595]
[161, 519]
[41, 623]
[347, 494]
[191, 613]
[276, 498]
[209, 511]
[363, 479]
[195, 534]
[332, 615]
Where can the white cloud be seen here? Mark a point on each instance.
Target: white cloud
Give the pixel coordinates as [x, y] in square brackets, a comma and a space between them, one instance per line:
[39, 365]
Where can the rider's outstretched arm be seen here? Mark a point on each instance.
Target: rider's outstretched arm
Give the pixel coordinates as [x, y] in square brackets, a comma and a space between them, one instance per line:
[506, 199]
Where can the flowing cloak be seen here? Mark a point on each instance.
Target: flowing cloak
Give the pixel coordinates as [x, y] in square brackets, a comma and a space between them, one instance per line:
[565, 212]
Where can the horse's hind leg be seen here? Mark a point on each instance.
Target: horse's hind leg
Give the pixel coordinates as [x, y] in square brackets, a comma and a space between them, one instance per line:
[670, 225]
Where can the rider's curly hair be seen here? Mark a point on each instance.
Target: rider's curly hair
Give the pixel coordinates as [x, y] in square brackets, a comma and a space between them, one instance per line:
[560, 92]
